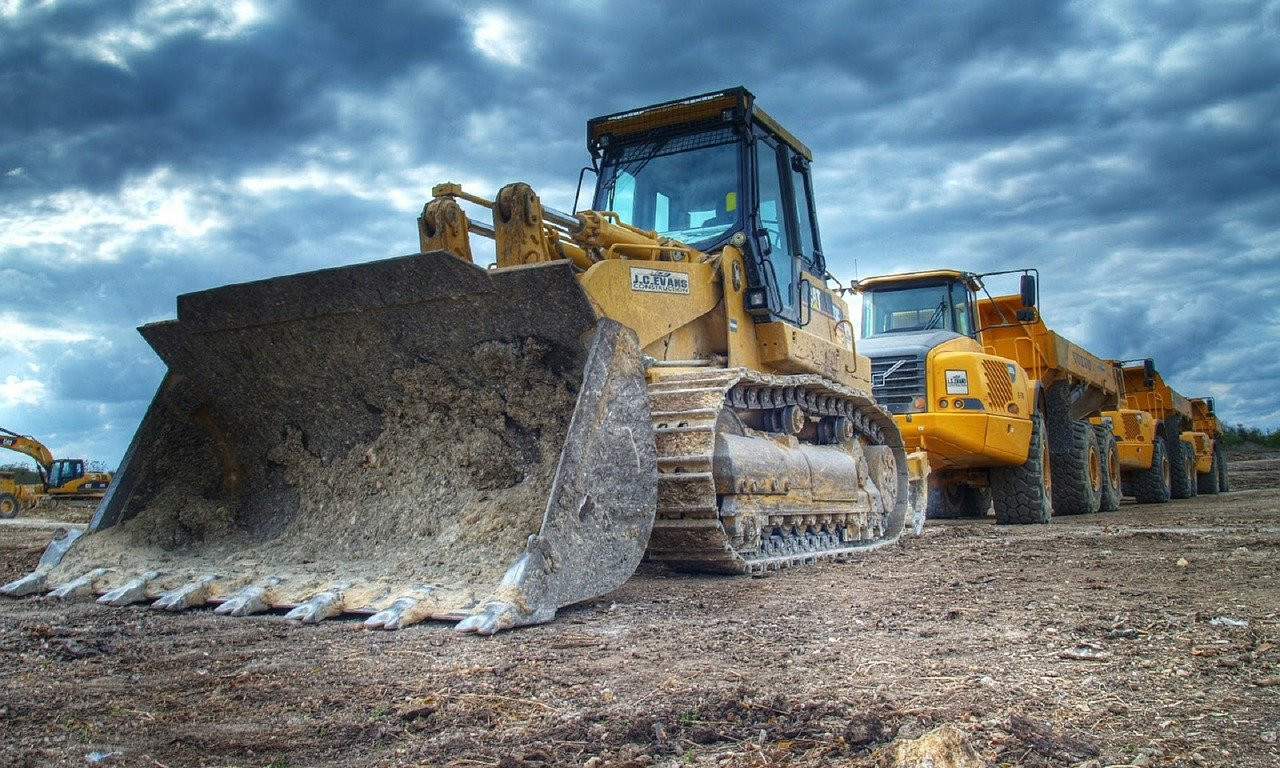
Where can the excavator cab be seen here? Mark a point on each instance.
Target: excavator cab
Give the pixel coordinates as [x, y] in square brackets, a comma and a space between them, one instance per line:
[63, 471]
[722, 173]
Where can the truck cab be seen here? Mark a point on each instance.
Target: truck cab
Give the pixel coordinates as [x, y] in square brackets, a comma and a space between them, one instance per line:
[966, 407]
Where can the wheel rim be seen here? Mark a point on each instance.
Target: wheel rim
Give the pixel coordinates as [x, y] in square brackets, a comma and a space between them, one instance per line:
[1095, 470]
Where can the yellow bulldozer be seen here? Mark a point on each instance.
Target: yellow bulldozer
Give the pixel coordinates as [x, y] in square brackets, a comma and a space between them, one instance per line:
[665, 375]
[60, 479]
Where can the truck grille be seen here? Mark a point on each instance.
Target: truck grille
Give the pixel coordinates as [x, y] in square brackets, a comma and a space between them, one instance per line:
[896, 380]
[999, 388]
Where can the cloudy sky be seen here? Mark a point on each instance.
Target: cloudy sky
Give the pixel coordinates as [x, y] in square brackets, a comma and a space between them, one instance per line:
[1128, 150]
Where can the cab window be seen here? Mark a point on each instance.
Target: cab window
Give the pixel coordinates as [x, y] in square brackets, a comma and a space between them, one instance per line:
[773, 219]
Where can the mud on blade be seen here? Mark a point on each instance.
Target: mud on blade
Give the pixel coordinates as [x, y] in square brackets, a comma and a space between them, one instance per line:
[411, 438]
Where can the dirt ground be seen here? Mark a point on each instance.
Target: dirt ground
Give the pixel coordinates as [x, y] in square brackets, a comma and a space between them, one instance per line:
[1147, 637]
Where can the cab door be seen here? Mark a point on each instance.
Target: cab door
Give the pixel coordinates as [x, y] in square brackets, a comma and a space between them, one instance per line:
[786, 235]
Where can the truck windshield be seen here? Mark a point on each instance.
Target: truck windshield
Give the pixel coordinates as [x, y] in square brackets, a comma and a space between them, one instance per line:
[684, 187]
[937, 306]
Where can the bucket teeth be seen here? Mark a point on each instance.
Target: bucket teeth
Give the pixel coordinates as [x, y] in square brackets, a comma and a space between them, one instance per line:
[403, 612]
[80, 587]
[27, 585]
[318, 607]
[249, 600]
[189, 595]
[492, 618]
[132, 591]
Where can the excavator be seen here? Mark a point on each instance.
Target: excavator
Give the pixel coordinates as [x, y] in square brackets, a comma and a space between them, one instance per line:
[666, 375]
[60, 479]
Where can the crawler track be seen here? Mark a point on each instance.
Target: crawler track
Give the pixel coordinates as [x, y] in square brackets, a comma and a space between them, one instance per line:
[724, 504]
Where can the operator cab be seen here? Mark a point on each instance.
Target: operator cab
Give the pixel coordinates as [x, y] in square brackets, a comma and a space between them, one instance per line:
[930, 303]
[63, 471]
[714, 170]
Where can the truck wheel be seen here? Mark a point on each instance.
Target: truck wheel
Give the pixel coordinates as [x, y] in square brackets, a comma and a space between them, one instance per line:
[1220, 460]
[958, 500]
[1110, 456]
[1021, 494]
[1077, 473]
[1207, 482]
[1189, 471]
[8, 505]
[1151, 485]
[1182, 476]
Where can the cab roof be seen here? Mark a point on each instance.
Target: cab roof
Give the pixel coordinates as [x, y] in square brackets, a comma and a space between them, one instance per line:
[729, 105]
[970, 279]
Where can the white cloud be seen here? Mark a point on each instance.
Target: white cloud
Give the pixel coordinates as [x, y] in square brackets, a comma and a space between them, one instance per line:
[15, 391]
[159, 210]
[499, 37]
[160, 20]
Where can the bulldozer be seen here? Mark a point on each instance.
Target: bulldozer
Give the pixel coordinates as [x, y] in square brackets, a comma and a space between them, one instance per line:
[61, 480]
[666, 375]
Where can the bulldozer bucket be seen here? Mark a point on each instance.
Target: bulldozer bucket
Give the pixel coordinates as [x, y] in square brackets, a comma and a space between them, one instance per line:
[407, 439]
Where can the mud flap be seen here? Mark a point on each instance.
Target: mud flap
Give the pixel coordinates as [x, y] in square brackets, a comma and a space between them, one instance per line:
[407, 439]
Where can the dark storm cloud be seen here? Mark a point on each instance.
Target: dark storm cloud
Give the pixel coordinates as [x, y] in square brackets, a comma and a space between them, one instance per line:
[1127, 150]
[191, 102]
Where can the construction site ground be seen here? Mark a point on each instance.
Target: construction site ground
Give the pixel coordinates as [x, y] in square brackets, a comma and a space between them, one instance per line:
[1146, 637]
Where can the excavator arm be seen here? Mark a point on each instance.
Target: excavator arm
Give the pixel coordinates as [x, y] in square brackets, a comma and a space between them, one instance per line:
[29, 446]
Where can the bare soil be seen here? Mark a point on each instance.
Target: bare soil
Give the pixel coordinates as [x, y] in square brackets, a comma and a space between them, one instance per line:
[1146, 637]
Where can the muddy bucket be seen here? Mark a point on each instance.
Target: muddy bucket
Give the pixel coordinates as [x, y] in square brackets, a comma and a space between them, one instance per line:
[408, 439]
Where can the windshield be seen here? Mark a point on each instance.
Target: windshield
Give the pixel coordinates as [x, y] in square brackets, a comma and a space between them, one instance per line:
[941, 306]
[683, 187]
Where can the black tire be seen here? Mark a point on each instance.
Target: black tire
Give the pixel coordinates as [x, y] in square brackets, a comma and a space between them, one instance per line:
[1207, 482]
[1151, 485]
[1189, 468]
[957, 500]
[1109, 453]
[8, 505]
[1077, 473]
[1182, 479]
[1021, 494]
[1220, 459]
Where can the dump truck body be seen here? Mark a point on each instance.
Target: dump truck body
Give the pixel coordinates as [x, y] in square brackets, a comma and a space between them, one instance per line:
[424, 438]
[1077, 386]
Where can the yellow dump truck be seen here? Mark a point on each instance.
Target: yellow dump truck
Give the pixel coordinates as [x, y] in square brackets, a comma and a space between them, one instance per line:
[1077, 386]
[1189, 452]
[1206, 433]
[1140, 448]
[977, 413]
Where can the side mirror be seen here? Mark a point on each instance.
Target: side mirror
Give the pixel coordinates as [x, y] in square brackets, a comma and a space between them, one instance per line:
[1208, 401]
[1149, 369]
[1027, 287]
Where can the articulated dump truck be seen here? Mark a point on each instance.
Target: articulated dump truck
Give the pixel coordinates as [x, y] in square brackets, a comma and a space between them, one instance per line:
[976, 413]
[665, 375]
[1206, 436]
[1186, 445]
